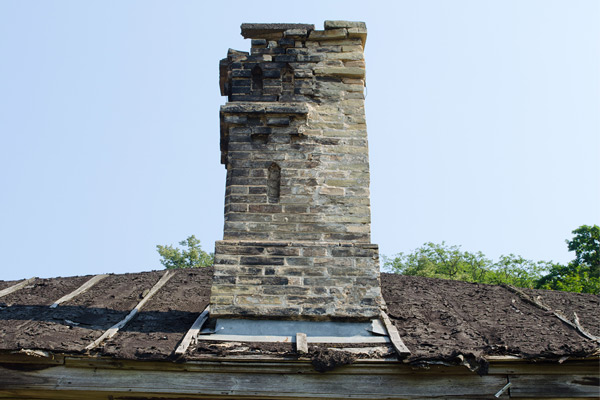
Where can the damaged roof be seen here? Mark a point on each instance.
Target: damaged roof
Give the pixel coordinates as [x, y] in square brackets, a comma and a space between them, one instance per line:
[438, 320]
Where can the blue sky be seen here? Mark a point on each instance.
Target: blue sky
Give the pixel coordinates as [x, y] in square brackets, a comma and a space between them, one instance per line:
[483, 121]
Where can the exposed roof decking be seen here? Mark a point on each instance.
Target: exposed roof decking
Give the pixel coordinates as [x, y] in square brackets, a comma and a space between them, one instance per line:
[437, 319]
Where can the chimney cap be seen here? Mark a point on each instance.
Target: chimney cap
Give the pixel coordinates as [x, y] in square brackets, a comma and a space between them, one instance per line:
[258, 31]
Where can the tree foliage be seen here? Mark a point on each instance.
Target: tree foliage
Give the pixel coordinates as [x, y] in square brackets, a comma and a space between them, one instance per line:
[192, 256]
[450, 262]
[582, 275]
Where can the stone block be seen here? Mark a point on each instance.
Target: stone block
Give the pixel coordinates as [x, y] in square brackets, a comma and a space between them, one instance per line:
[352, 48]
[286, 290]
[320, 251]
[310, 58]
[315, 271]
[261, 300]
[274, 73]
[299, 261]
[236, 119]
[240, 82]
[330, 34]
[299, 73]
[222, 300]
[258, 31]
[360, 33]
[345, 56]
[250, 260]
[230, 289]
[241, 107]
[296, 33]
[245, 235]
[241, 73]
[280, 121]
[285, 58]
[344, 24]
[258, 43]
[221, 280]
[238, 208]
[354, 72]
[298, 51]
[354, 64]
[257, 190]
[286, 42]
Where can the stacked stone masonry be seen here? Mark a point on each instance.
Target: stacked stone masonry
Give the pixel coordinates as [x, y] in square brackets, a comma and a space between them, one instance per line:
[297, 210]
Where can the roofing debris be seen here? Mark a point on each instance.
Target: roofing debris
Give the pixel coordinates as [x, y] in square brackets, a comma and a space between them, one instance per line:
[439, 321]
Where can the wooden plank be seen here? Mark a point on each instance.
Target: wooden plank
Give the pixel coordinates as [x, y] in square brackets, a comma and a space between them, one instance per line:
[16, 287]
[583, 331]
[399, 345]
[192, 333]
[301, 343]
[557, 386]
[575, 325]
[112, 331]
[86, 286]
[291, 339]
[264, 364]
[589, 367]
[268, 364]
[250, 383]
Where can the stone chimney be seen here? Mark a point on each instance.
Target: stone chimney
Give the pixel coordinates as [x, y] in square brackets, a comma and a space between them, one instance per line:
[297, 231]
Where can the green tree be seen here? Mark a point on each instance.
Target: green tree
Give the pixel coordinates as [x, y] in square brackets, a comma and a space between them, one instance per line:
[586, 245]
[450, 262]
[581, 275]
[192, 257]
[439, 261]
[518, 271]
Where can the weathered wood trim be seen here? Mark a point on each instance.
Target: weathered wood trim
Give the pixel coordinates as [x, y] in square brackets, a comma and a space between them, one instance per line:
[361, 366]
[14, 288]
[86, 286]
[249, 383]
[582, 330]
[399, 345]
[301, 343]
[112, 331]
[192, 333]
[575, 367]
[292, 364]
[95, 378]
[559, 386]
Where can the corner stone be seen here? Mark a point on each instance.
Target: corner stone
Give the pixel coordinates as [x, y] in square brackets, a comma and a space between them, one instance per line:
[344, 24]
